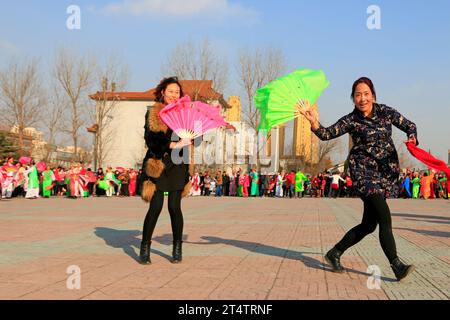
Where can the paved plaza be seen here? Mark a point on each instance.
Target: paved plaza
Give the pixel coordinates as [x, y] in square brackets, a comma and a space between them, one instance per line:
[234, 248]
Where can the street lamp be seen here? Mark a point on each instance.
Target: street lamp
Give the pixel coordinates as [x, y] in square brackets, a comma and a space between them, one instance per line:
[94, 129]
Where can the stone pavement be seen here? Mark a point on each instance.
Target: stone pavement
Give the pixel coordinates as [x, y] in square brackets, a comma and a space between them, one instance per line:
[234, 248]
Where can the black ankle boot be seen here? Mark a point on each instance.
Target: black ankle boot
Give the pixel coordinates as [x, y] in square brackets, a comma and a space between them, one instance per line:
[144, 254]
[400, 269]
[333, 258]
[177, 251]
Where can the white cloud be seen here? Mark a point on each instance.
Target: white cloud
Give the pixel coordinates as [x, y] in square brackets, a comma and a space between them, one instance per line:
[181, 8]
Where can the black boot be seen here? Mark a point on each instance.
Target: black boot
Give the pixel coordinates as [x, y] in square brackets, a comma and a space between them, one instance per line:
[400, 269]
[177, 251]
[333, 258]
[144, 254]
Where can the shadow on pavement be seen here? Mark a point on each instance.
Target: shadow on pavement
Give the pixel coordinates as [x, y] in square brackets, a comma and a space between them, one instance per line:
[127, 240]
[444, 234]
[279, 252]
[167, 239]
[421, 216]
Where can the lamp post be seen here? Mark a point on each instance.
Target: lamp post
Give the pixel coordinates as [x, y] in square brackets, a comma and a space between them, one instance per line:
[93, 129]
[275, 148]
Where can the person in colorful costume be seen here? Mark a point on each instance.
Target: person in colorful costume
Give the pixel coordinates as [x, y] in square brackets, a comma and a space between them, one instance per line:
[415, 185]
[195, 189]
[47, 182]
[33, 182]
[300, 178]
[254, 191]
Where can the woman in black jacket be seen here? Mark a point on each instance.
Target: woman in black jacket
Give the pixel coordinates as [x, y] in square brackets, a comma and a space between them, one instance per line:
[374, 168]
[160, 174]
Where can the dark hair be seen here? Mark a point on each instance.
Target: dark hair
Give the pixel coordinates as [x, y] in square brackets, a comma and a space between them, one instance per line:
[366, 81]
[163, 85]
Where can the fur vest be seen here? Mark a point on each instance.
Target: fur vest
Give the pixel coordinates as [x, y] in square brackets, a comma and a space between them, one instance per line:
[158, 149]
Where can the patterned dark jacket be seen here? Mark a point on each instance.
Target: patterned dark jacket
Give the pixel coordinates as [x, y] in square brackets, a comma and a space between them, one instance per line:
[373, 160]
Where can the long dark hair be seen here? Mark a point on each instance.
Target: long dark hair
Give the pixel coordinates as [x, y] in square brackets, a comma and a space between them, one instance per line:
[163, 85]
[368, 82]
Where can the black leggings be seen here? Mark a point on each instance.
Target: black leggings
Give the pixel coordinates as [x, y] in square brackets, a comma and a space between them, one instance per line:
[176, 216]
[376, 211]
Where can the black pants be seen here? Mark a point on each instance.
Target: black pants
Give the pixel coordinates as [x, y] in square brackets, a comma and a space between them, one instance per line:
[376, 211]
[124, 190]
[176, 216]
[91, 188]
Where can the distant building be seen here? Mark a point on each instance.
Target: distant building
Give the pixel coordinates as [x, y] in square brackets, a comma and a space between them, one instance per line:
[233, 113]
[13, 136]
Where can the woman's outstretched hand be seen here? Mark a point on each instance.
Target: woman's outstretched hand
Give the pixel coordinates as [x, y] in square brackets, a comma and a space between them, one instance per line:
[181, 143]
[412, 140]
[309, 113]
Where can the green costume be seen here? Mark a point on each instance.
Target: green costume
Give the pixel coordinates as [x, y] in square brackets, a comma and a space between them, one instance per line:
[415, 187]
[299, 179]
[33, 180]
[67, 180]
[442, 184]
[47, 180]
[254, 189]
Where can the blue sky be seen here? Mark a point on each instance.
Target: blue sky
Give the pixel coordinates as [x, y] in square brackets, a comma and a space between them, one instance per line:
[408, 58]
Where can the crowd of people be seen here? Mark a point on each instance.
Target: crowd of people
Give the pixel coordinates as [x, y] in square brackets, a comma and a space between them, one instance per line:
[26, 180]
[34, 180]
[425, 185]
[295, 184]
[290, 184]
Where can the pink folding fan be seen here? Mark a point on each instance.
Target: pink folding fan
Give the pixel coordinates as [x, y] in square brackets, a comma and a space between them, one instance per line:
[191, 119]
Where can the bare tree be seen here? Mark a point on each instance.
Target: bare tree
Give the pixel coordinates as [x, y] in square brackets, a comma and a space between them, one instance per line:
[74, 75]
[111, 77]
[325, 150]
[53, 116]
[21, 97]
[84, 156]
[192, 61]
[255, 69]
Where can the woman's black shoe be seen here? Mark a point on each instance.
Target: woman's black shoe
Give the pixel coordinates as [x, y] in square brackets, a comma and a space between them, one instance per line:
[400, 269]
[177, 251]
[144, 254]
[333, 257]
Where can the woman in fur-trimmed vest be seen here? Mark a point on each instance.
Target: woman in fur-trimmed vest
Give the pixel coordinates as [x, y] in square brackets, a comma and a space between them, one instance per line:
[161, 174]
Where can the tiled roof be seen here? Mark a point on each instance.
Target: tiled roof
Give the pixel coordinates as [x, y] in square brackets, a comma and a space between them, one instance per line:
[196, 89]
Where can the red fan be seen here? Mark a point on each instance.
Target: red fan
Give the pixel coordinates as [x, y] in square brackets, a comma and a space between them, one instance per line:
[427, 158]
[120, 169]
[191, 119]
